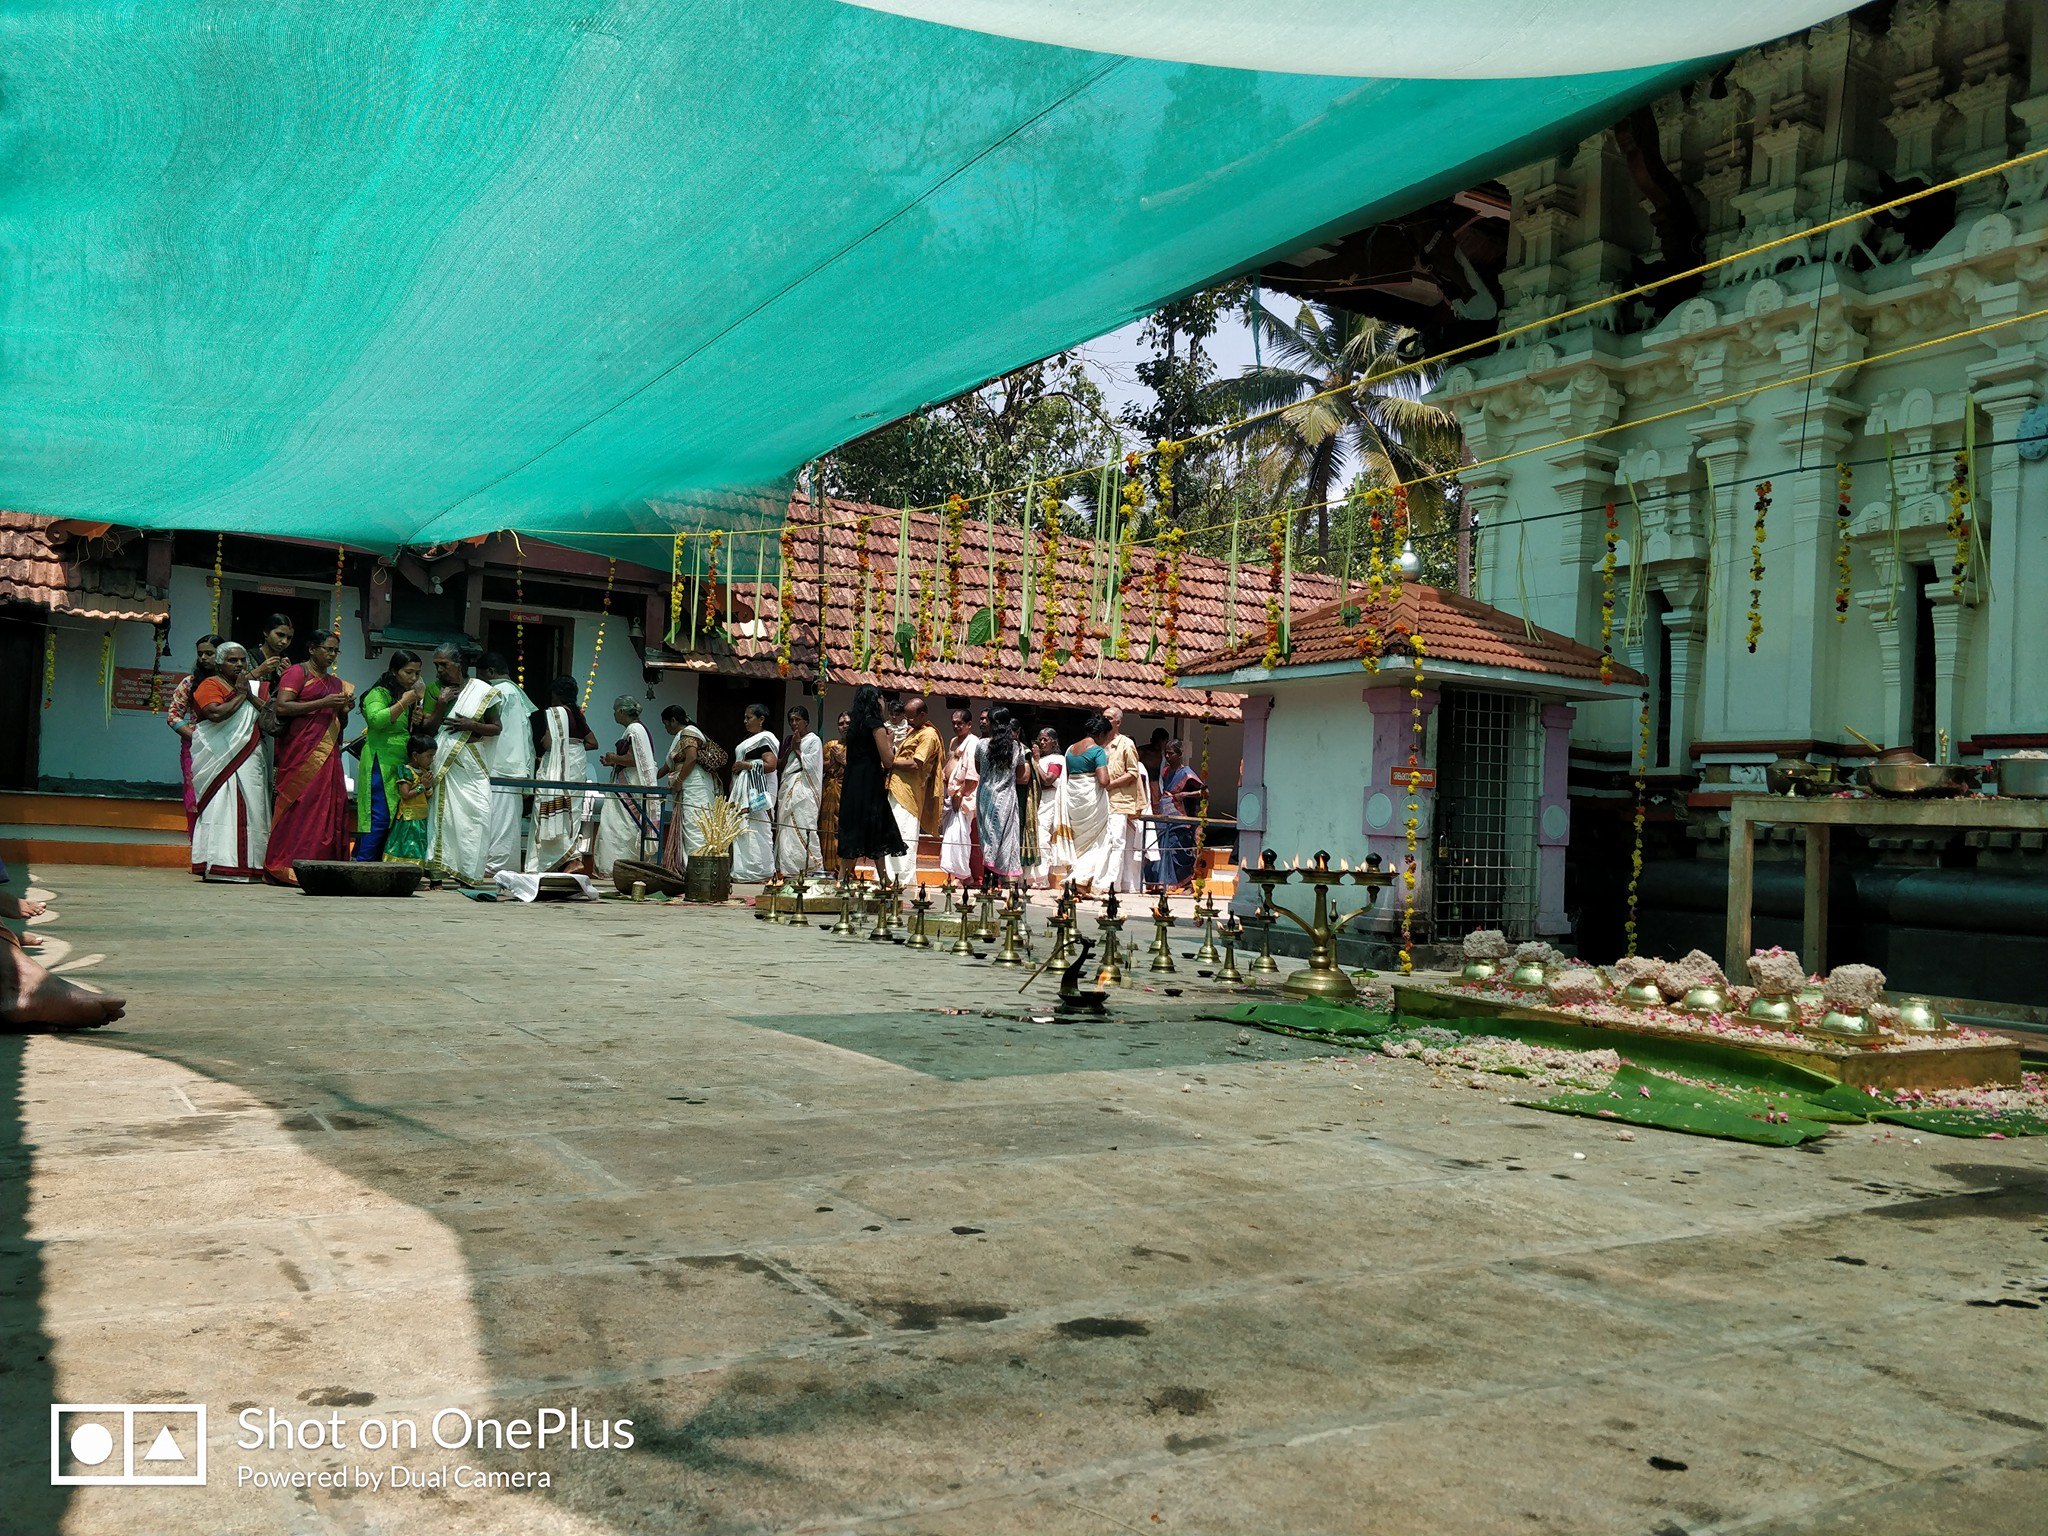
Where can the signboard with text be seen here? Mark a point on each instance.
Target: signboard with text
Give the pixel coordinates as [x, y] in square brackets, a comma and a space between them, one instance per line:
[132, 688]
[1397, 777]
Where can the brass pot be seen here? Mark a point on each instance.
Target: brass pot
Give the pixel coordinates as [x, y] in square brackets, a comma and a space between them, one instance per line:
[1530, 977]
[1704, 1000]
[1778, 1010]
[1915, 780]
[1849, 1026]
[1642, 994]
[1478, 970]
[1918, 1016]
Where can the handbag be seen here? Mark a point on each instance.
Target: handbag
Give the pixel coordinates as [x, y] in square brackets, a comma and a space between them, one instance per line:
[712, 756]
[267, 718]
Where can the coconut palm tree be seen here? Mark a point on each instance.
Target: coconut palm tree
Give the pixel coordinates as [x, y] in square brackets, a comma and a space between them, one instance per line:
[1378, 428]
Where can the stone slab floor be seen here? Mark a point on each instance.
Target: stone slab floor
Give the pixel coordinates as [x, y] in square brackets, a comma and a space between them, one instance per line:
[851, 1262]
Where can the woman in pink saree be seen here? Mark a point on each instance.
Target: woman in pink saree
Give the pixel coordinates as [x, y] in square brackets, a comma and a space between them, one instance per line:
[311, 817]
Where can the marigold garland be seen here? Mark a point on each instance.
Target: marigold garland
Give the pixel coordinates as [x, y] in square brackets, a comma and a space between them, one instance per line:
[1369, 647]
[1635, 857]
[992, 649]
[604, 613]
[921, 644]
[1414, 823]
[159, 644]
[1959, 523]
[519, 600]
[1607, 600]
[1276, 546]
[340, 559]
[1172, 541]
[956, 521]
[50, 667]
[220, 541]
[1756, 567]
[1844, 479]
[1049, 570]
[1166, 454]
[785, 602]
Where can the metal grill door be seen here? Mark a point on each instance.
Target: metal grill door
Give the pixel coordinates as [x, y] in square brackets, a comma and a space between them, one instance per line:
[1487, 789]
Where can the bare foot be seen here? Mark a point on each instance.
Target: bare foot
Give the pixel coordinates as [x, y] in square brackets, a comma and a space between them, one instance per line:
[31, 997]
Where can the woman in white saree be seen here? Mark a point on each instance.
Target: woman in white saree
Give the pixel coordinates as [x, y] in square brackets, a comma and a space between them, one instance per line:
[1081, 820]
[626, 818]
[753, 791]
[798, 797]
[694, 786]
[558, 813]
[230, 774]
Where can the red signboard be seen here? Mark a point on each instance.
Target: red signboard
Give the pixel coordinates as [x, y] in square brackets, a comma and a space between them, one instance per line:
[1397, 777]
[132, 688]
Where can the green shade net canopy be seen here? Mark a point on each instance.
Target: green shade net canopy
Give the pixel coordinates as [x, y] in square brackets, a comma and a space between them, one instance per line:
[405, 272]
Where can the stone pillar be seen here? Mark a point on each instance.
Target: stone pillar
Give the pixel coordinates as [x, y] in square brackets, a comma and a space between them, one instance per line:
[1553, 818]
[1386, 799]
[1687, 628]
[2005, 390]
[1951, 656]
[1251, 780]
[1891, 618]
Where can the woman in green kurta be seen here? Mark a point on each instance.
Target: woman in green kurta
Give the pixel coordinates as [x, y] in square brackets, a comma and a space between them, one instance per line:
[388, 715]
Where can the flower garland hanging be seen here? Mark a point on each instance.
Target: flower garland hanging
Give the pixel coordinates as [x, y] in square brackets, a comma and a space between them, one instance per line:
[1049, 590]
[1845, 478]
[1635, 857]
[1414, 822]
[1756, 567]
[1276, 547]
[785, 602]
[921, 642]
[1959, 523]
[220, 541]
[1370, 648]
[519, 599]
[1000, 601]
[159, 644]
[956, 522]
[1126, 546]
[1607, 601]
[604, 613]
[340, 558]
[1173, 540]
[1167, 454]
[49, 668]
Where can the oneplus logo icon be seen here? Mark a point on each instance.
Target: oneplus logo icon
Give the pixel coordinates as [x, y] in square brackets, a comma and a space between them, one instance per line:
[127, 1445]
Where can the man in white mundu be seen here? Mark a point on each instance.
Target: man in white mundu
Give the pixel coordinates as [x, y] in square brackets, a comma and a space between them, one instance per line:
[459, 815]
[508, 755]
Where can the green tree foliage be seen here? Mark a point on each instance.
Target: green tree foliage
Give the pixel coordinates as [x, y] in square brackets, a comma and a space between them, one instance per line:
[1376, 429]
[1049, 414]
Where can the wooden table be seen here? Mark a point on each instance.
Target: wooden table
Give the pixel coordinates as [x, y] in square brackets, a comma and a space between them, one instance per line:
[1820, 817]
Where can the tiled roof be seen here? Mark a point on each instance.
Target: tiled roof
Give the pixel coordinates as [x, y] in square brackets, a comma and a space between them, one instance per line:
[49, 563]
[1453, 628]
[1088, 679]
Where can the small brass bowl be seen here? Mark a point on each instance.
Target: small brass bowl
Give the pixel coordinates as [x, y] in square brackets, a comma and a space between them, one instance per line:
[1530, 978]
[1642, 994]
[1848, 1026]
[1478, 970]
[1704, 1000]
[1779, 1011]
[1917, 1016]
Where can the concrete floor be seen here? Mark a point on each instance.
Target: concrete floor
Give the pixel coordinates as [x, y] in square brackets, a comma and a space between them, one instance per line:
[850, 1262]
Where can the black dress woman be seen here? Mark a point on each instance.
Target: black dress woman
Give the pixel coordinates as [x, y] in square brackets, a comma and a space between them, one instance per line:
[867, 828]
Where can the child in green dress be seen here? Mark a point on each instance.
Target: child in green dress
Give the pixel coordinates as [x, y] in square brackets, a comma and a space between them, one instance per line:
[408, 842]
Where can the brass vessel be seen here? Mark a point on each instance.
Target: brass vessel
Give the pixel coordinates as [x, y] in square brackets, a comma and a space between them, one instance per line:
[1531, 977]
[1478, 970]
[1704, 1000]
[1642, 994]
[1918, 1016]
[1779, 1010]
[1848, 1026]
